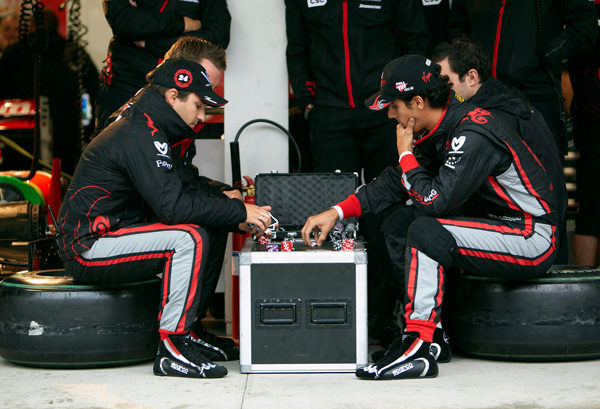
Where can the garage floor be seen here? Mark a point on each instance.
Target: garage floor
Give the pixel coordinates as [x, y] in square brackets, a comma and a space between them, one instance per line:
[463, 383]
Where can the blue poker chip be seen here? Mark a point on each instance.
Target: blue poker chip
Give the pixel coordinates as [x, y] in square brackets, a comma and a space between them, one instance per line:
[272, 247]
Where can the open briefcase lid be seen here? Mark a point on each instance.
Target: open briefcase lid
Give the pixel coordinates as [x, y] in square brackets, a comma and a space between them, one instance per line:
[296, 196]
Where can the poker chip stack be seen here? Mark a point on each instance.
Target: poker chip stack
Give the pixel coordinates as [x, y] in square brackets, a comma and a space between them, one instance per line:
[336, 236]
[348, 244]
[264, 240]
[271, 247]
[287, 245]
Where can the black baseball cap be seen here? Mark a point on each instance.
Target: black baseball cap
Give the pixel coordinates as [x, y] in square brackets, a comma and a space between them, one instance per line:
[186, 75]
[405, 75]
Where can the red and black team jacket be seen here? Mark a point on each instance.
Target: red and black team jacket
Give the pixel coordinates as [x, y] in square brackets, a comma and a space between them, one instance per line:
[487, 170]
[523, 37]
[337, 48]
[159, 23]
[128, 174]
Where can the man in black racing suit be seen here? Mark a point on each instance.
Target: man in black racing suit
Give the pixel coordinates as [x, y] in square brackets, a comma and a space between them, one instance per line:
[489, 208]
[129, 214]
[467, 66]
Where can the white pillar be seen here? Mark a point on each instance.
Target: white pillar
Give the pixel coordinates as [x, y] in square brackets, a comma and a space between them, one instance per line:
[256, 86]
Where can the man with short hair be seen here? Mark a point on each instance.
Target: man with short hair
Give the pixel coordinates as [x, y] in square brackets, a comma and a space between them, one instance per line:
[129, 214]
[468, 68]
[489, 209]
[183, 150]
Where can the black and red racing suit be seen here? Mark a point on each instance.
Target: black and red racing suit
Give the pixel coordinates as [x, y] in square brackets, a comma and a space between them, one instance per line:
[489, 209]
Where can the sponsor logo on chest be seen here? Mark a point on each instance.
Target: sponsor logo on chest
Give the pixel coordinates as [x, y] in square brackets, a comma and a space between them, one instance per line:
[316, 3]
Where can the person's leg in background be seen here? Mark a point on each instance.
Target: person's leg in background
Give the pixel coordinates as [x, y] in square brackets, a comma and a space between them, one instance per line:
[384, 291]
[216, 348]
[548, 106]
[331, 141]
[376, 136]
[587, 222]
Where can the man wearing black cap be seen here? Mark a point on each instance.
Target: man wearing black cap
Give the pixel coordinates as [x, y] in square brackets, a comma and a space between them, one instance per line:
[489, 209]
[128, 216]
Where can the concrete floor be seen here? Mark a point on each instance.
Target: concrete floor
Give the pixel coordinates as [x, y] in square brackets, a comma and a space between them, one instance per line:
[464, 383]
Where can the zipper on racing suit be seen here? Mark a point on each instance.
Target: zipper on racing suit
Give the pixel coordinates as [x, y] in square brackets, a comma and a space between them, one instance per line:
[347, 52]
[497, 40]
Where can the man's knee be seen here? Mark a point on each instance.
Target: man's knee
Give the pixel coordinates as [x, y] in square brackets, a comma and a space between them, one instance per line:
[397, 223]
[429, 236]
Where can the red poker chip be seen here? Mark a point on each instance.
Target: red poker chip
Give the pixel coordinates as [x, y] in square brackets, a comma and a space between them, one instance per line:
[287, 245]
[263, 240]
[348, 244]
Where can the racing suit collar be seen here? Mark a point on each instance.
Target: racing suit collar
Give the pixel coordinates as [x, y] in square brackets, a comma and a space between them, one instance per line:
[493, 94]
[163, 115]
[451, 117]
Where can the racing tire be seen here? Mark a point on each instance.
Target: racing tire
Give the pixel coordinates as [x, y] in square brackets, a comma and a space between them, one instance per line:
[47, 320]
[552, 318]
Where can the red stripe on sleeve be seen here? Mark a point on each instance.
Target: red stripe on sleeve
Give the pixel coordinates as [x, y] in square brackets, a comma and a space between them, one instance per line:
[408, 162]
[350, 206]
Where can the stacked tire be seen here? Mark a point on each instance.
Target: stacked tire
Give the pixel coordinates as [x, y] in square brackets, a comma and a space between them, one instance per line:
[48, 320]
[552, 318]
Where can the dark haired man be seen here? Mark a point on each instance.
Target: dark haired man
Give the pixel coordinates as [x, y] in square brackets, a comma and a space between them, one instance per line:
[129, 214]
[183, 149]
[468, 68]
[489, 209]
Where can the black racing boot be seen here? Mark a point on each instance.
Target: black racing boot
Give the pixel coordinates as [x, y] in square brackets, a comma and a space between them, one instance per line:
[178, 356]
[216, 348]
[440, 347]
[408, 357]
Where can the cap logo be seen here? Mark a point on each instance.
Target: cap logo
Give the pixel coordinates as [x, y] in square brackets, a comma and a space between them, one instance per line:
[183, 78]
[205, 75]
[403, 87]
[379, 103]
[426, 77]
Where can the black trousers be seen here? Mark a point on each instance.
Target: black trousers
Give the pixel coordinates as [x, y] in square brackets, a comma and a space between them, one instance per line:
[351, 140]
[587, 138]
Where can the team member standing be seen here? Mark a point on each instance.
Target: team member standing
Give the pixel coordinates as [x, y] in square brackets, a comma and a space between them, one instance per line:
[128, 216]
[335, 51]
[489, 209]
[527, 42]
[143, 30]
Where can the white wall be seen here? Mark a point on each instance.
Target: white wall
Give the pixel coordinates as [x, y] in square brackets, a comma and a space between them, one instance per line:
[99, 32]
[256, 85]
